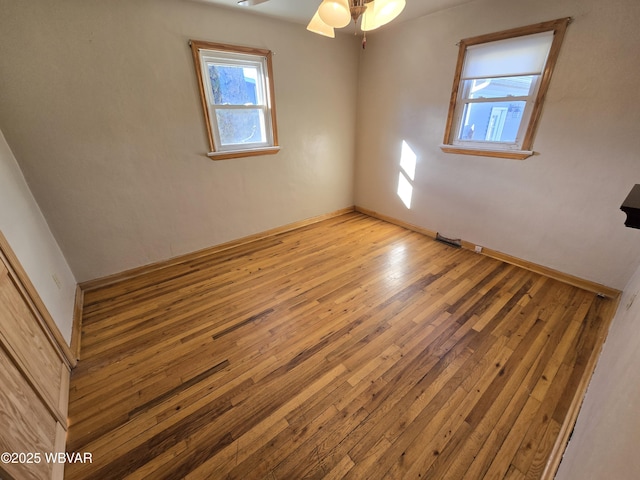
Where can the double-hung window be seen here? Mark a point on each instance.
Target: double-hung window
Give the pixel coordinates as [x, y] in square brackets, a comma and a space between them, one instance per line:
[236, 88]
[499, 87]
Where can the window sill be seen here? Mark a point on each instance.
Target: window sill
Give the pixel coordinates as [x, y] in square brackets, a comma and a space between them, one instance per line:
[509, 154]
[243, 153]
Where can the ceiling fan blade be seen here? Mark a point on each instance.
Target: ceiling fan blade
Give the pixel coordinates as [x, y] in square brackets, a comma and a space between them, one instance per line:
[250, 3]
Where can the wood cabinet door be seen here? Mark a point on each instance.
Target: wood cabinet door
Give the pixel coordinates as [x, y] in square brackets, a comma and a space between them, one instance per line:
[34, 382]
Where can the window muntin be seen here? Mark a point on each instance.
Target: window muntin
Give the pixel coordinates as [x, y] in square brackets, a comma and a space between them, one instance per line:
[500, 83]
[237, 96]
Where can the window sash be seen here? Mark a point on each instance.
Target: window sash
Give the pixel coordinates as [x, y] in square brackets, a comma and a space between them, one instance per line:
[265, 119]
[464, 101]
[258, 65]
[505, 145]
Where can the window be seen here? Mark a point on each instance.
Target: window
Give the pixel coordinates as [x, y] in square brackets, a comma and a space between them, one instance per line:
[236, 89]
[499, 87]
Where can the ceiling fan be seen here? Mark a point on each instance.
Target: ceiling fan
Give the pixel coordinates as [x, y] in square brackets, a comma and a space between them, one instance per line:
[332, 14]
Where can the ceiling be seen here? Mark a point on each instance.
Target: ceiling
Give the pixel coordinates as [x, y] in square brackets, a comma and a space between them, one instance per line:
[301, 11]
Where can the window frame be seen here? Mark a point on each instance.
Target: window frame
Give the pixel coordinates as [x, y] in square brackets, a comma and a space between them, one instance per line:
[236, 55]
[456, 105]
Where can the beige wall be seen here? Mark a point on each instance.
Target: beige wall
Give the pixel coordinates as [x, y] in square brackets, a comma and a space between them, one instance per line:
[99, 103]
[26, 230]
[559, 208]
[604, 445]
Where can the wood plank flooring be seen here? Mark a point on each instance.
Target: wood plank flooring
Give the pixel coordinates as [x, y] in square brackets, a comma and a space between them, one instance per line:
[351, 349]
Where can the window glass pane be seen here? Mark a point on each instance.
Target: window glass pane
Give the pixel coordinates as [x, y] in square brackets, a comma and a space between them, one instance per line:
[491, 121]
[510, 57]
[234, 85]
[499, 87]
[241, 126]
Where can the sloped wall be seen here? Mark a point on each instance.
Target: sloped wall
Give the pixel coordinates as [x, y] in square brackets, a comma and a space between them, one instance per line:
[23, 225]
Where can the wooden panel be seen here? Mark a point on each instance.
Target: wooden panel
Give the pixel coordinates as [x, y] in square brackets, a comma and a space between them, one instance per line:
[34, 377]
[46, 322]
[27, 426]
[21, 331]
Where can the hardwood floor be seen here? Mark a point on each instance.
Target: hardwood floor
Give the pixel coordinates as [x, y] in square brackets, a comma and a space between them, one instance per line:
[352, 349]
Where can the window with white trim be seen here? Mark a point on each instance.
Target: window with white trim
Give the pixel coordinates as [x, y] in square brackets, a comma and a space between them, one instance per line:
[236, 88]
[499, 88]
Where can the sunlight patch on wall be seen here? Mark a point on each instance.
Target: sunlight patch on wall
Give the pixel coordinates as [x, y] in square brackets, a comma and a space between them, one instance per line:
[405, 190]
[408, 160]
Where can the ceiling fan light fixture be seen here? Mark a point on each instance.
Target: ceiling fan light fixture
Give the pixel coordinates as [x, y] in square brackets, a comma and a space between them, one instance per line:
[335, 13]
[368, 22]
[316, 25]
[386, 10]
[369, 14]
